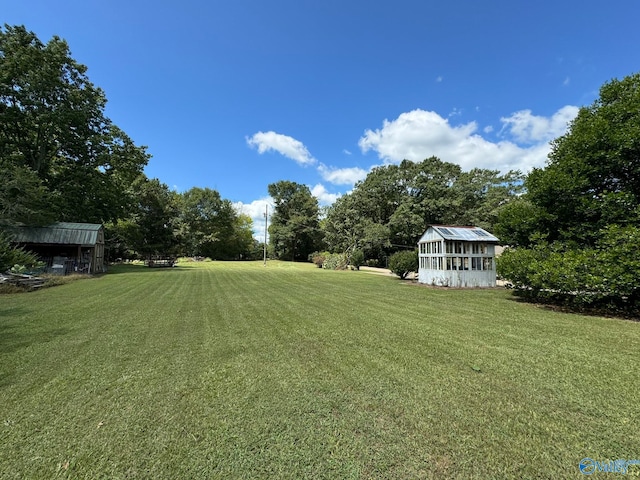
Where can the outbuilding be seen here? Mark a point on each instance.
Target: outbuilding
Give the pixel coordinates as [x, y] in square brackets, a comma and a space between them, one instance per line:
[454, 256]
[65, 247]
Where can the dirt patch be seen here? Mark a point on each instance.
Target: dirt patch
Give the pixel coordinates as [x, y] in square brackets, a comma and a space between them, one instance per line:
[387, 272]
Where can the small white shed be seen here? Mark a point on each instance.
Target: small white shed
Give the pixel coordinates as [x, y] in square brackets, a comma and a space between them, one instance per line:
[457, 257]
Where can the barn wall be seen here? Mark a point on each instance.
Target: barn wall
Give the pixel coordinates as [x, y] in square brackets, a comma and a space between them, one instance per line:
[80, 247]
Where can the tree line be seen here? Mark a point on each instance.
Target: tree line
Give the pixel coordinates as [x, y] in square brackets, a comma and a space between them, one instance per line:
[572, 226]
[388, 211]
[63, 159]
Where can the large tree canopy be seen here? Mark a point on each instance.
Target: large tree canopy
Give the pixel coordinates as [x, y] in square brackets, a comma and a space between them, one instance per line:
[392, 206]
[592, 178]
[579, 221]
[55, 141]
[294, 232]
[211, 227]
[198, 222]
[62, 159]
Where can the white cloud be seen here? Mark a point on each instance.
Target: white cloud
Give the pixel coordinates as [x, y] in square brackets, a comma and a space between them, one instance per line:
[256, 211]
[528, 128]
[323, 196]
[341, 176]
[488, 129]
[439, 79]
[346, 152]
[283, 144]
[420, 134]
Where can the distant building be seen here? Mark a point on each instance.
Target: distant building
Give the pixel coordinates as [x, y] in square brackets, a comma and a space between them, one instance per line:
[454, 256]
[65, 247]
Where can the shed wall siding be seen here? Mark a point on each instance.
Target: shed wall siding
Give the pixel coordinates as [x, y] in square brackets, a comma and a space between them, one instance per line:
[457, 278]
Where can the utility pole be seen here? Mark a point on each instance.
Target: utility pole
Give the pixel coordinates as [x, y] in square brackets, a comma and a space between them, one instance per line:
[266, 216]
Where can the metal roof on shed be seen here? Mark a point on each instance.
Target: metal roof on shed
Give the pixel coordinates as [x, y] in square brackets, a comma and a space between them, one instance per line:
[468, 234]
[61, 233]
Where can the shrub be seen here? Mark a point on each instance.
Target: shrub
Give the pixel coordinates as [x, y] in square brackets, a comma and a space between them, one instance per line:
[357, 259]
[335, 261]
[402, 263]
[318, 258]
[12, 257]
[604, 277]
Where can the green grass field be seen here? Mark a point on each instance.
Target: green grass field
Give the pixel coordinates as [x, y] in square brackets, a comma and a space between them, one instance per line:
[233, 370]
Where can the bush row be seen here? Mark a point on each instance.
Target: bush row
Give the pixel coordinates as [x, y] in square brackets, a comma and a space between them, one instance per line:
[337, 261]
[606, 276]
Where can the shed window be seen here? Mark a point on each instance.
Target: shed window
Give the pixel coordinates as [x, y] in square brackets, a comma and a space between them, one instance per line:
[457, 263]
[460, 247]
[479, 248]
[487, 263]
[432, 263]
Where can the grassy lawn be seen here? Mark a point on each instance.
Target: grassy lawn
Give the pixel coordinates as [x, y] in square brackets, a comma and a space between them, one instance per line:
[233, 370]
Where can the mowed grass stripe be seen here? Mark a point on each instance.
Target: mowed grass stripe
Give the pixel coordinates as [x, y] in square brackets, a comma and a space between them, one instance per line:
[233, 370]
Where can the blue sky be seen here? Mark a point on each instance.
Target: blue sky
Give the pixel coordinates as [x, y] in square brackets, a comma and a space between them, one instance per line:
[237, 95]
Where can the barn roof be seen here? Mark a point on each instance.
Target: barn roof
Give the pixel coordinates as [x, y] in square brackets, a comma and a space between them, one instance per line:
[468, 234]
[61, 233]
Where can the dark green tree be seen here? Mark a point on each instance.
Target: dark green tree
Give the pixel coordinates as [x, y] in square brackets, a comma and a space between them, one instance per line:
[520, 223]
[395, 203]
[592, 178]
[11, 255]
[24, 199]
[53, 129]
[156, 218]
[347, 229]
[206, 222]
[211, 227]
[242, 245]
[294, 232]
[151, 227]
[579, 222]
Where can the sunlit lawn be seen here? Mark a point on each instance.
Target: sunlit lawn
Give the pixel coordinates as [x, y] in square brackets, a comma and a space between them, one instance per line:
[234, 370]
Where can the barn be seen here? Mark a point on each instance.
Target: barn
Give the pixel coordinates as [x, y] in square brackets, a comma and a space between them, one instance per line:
[65, 247]
[454, 256]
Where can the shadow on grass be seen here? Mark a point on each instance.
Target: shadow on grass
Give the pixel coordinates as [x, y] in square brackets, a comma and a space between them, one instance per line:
[15, 336]
[128, 268]
[558, 306]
